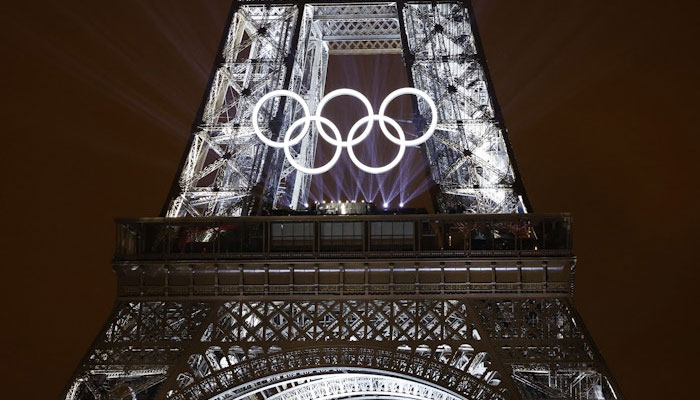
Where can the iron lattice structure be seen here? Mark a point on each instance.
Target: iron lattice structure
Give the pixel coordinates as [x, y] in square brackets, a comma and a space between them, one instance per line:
[241, 348]
[281, 46]
[469, 304]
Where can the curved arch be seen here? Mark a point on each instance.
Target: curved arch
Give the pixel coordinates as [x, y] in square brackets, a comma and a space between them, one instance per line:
[320, 384]
[313, 362]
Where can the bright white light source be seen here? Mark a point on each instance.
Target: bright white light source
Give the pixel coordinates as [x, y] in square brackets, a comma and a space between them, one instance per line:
[401, 204]
[386, 205]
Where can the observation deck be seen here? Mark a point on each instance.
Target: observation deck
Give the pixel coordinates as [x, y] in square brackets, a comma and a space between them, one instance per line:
[345, 254]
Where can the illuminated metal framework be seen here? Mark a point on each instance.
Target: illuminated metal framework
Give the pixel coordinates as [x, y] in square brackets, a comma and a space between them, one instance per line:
[281, 46]
[462, 348]
[416, 306]
[473, 303]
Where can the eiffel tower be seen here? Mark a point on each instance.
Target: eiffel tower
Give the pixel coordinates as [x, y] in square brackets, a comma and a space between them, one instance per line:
[242, 290]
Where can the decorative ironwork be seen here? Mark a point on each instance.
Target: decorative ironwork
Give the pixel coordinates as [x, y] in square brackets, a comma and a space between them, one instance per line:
[477, 348]
[323, 362]
[408, 321]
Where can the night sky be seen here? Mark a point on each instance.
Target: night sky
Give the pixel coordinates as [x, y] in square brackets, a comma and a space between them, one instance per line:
[600, 99]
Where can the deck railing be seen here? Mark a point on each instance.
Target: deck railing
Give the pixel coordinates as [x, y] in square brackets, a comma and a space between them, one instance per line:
[365, 236]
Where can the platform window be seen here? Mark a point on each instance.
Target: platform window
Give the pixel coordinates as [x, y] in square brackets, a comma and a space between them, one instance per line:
[341, 236]
[237, 238]
[392, 235]
[292, 236]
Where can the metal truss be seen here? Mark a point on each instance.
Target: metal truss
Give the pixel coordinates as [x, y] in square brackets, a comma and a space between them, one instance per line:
[463, 348]
[225, 161]
[468, 156]
[228, 172]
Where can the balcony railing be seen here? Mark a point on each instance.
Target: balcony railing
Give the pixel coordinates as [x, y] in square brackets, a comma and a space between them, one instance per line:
[324, 237]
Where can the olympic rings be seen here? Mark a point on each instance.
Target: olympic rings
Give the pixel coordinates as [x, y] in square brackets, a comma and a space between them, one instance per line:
[319, 121]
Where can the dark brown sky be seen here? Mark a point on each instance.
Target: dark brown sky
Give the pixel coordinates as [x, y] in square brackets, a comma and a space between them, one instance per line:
[600, 98]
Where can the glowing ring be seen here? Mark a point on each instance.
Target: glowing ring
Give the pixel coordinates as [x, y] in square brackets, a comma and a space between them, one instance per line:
[276, 93]
[344, 92]
[287, 144]
[433, 110]
[352, 141]
[382, 119]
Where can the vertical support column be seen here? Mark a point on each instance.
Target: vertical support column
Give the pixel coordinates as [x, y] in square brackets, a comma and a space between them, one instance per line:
[467, 154]
[306, 75]
[224, 163]
[315, 91]
[408, 57]
[275, 157]
[518, 185]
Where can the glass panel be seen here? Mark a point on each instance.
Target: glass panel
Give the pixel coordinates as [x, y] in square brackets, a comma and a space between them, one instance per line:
[429, 238]
[341, 236]
[390, 235]
[292, 236]
[241, 238]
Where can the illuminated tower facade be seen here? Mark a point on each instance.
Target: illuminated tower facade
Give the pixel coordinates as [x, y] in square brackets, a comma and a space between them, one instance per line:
[226, 298]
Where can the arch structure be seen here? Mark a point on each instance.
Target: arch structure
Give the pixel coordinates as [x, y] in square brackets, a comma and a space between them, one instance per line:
[337, 384]
[274, 45]
[337, 373]
[268, 338]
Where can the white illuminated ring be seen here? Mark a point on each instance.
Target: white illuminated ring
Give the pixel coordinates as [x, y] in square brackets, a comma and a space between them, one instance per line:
[287, 145]
[402, 146]
[418, 93]
[288, 142]
[344, 92]
[276, 93]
